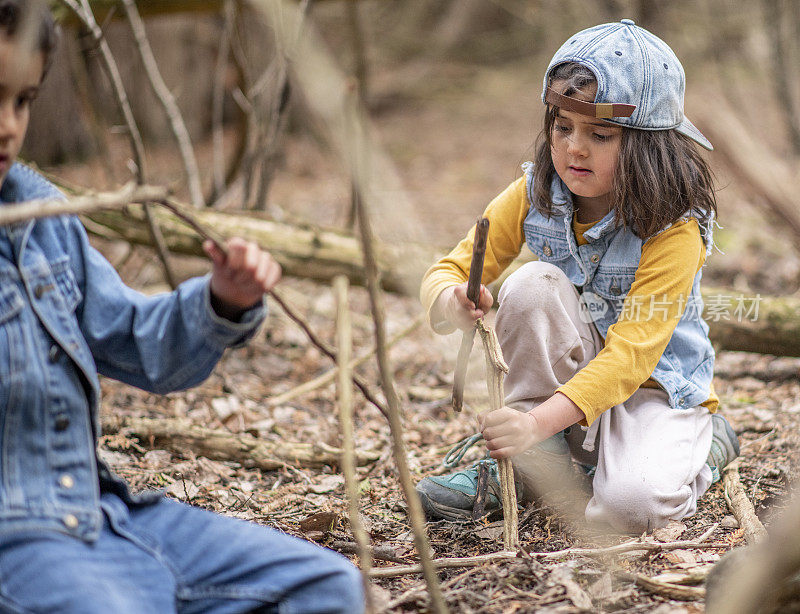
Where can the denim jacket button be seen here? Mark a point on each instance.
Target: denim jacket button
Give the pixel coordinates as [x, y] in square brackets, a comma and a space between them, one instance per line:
[66, 481]
[42, 289]
[52, 355]
[547, 251]
[70, 521]
[62, 422]
[595, 258]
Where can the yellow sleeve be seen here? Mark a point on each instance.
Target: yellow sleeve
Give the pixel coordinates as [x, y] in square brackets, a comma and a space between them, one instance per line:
[506, 214]
[652, 308]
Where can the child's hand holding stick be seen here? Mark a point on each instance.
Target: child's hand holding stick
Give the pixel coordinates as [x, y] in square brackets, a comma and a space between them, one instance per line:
[473, 296]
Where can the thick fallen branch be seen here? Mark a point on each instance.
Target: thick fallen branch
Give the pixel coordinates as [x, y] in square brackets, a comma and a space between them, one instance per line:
[740, 505]
[302, 251]
[738, 322]
[181, 435]
[768, 325]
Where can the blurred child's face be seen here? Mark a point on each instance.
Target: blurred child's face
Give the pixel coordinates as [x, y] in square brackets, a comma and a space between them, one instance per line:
[20, 75]
[585, 151]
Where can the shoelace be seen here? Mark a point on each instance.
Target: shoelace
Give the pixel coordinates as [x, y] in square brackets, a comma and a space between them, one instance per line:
[456, 454]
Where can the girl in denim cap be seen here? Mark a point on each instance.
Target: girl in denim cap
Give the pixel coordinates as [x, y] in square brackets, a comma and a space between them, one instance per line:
[609, 359]
[72, 538]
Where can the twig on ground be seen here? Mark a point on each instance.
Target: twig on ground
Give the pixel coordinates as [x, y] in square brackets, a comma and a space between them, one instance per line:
[344, 343]
[508, 555]
[665, 589]
[179, 435]
[740, 505]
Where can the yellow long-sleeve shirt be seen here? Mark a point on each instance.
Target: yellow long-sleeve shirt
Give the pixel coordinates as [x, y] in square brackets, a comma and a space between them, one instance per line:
[633, 345]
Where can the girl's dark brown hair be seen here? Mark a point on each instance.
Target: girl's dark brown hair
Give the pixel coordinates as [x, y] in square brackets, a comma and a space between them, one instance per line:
[13, 16]
[660, 178]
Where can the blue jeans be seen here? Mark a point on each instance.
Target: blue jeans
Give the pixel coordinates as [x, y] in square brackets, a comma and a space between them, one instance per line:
[171, 557]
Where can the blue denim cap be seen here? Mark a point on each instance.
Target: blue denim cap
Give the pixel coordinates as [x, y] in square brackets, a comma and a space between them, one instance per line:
[632, 66]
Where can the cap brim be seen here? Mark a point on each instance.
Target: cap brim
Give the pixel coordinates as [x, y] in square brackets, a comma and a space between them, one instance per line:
[687, 128]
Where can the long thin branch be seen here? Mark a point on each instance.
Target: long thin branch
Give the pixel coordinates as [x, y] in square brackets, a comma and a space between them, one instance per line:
[509, 555]
[84, 14]
[79, 205]
[415, 512]
[167, 100]
[344, 341]
[218, 99]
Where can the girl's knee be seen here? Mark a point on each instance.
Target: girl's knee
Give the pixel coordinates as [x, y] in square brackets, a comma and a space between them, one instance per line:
[533, 283]
[633, 506]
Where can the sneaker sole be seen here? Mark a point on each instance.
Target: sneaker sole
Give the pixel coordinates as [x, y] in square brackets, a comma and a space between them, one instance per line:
[434, 510]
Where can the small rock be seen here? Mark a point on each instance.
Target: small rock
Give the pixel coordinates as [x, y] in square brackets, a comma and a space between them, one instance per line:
[157, 459]
[671, 532]
[328, 483]
[729, 522]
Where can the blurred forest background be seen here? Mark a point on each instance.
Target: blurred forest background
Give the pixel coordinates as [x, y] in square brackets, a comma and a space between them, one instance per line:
[452, 91]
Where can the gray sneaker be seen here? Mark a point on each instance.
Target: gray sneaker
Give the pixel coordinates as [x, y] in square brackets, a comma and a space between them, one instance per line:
[452, 496]
[724, 445]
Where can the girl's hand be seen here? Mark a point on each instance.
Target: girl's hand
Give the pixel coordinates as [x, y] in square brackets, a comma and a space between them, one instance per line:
[456, 308]
[240, 280]
[509, 432]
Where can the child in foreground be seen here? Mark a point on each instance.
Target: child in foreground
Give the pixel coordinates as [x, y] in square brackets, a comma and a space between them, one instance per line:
[609, 359]
[72, 538]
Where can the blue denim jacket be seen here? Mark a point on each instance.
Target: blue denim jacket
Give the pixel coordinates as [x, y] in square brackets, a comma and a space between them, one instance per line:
[604, 269]
[66, 316]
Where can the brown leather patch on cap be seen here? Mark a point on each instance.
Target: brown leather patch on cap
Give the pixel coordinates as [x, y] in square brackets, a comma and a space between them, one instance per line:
[600, 110]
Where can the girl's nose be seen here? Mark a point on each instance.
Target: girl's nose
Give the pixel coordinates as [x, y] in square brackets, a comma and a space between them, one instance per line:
[576, 145]
[9, 123]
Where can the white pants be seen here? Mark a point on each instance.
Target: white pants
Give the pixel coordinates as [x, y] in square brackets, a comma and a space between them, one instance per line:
[650, 458]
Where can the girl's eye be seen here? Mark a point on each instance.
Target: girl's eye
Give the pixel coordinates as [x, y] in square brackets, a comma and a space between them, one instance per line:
[601, 137]
[562, 128]
[24, 100]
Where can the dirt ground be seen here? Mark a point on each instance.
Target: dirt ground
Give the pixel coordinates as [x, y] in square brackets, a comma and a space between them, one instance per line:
[454, 153]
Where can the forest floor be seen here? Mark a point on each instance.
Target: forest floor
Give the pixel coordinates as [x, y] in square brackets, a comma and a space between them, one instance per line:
[456, 145]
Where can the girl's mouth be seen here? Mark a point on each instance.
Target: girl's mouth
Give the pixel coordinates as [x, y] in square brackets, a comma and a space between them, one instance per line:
[579, 171]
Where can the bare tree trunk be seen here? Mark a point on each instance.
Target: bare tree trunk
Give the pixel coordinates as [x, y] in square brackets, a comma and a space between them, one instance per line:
[776, 26]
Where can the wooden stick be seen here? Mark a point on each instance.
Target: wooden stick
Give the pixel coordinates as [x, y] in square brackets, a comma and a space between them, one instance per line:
[507, 555]
[167, 101]
[740, 505]
[479, 239]
[496, 369]
[79, 205]
[344, 341]
[677, 592]
[181, 435]
[415, 512]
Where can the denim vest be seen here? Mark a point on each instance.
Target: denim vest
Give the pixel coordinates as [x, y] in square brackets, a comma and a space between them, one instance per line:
[66, 316]
[604, 270]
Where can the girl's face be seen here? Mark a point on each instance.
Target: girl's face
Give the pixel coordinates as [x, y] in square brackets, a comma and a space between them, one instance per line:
[585, 151]
[20, 75]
